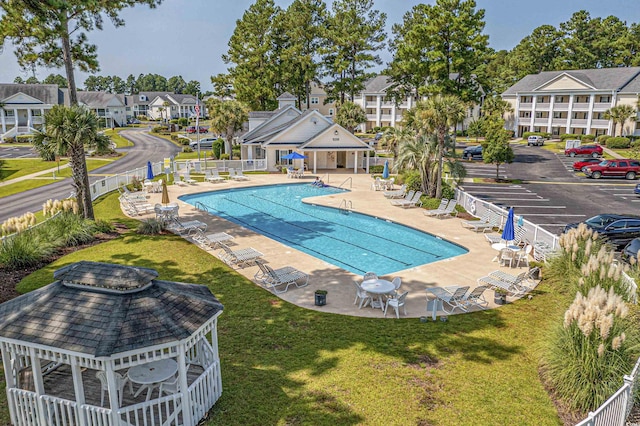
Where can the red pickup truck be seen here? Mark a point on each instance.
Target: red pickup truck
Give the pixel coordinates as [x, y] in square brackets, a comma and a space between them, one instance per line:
[620, 167]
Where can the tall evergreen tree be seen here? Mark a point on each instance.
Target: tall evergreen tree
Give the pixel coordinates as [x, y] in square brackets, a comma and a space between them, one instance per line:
[55, 79]
[52, 33]
[176, 84]
[437, 48]
[300, 31]
[192, 88]
[251, 55]
[354, 35]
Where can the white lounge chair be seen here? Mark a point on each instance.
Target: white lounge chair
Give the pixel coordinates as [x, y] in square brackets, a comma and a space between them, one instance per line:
[475, 298]
[517, 285]
[187, 178]
[236, 174]
[187, 226]
[519, 234]
[177, 180]
[443, 205]
[240, 257]
[398, 193]
[274, 278]
[455, 298]
[487, 223]
[213, 176]
[414, 201]
[209, 240]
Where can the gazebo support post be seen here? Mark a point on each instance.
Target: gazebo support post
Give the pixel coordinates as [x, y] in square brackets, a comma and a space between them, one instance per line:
[112, 391]
[216, 357]
[78, 388]
[9, 377]
[38, 383]
[184, 386]
[366, 155]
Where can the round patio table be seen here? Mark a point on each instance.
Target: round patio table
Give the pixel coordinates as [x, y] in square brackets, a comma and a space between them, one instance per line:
[379, 287]
[151, 374]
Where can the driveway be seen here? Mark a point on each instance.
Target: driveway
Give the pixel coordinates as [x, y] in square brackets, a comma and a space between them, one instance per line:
[146, 148]
[551, 194]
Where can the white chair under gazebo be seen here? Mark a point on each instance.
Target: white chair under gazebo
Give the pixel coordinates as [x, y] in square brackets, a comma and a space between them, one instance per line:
[108, 344]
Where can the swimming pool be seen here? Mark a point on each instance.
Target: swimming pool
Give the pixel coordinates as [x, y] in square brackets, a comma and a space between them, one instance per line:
[355, 242]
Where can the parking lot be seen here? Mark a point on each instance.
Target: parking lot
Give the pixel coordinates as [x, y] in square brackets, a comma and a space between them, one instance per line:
[17, 152]
[551, 194]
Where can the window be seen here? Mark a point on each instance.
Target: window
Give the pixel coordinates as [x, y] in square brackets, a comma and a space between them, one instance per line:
[620, 224]
[526, 99]
[8, 113]
[281, 153]
[525, 114]
[562, 99]
[623, 164]
[542, 114]
[35, 113]
[559, 114]
[605, 98]
[330, 111]
[598, 116]
[315, 101]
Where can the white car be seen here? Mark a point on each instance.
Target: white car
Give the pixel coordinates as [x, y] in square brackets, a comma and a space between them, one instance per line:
[535, 140]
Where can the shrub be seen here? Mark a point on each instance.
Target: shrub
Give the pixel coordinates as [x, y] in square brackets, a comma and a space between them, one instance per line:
[545, 135]
[566, 136]
[102, 226]
[66, 230]
[150, 227]
[136, 183]
[17, 224]
[183, 121]
[173, 121]
[588, 138]
[158, 129]
[217, 147]
[376, 169]
[618, 143]
[592, 350]
[447, 191]
[576, 245]
[412, 179]
[22, 250]
[24, 138]
[602, 139]
[187, 148]
[224, 156]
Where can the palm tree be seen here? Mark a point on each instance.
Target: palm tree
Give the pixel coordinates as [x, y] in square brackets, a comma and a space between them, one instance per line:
[350, 115]
[420, 153]
[619, 114]
[227, 117]
[394, 137]
[166, 105]
[66, 132]
[438, 114]
[495, 105]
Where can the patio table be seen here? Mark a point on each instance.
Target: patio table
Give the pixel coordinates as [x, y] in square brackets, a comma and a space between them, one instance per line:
[379, 287]
[151, 374]
[500, 246]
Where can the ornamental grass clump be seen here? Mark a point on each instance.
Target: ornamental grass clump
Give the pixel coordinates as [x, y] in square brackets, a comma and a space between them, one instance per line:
[592, 350]
[578, 244]
[600, 270]
[51, 207]
[17, 224]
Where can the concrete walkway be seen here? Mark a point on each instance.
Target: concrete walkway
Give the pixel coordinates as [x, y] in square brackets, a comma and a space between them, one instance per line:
[39, 175]
[461, 270]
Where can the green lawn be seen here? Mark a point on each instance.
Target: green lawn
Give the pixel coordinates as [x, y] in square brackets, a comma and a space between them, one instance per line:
[115, 137]
[16, 167]
[286, 365]
[46, 179]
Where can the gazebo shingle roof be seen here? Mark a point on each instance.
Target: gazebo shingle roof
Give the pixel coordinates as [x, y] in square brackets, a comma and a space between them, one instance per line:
[103, 309]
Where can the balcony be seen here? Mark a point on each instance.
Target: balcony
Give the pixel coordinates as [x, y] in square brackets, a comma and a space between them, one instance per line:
[600, 123]
[541, 121]
[601, 106]
[371, 117]
[542, 106]
[559, 121]
[578, 122]
[525, 106]
[581, 106]
[561, 106]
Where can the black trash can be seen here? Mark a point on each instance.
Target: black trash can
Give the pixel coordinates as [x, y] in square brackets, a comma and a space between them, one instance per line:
[321, 297]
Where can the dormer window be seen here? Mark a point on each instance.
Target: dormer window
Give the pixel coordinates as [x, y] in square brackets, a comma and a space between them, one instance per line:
[143, 98]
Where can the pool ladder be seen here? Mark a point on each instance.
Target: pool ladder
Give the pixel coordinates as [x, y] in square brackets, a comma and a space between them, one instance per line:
[350, 180]
[203, 207]
[345, 206]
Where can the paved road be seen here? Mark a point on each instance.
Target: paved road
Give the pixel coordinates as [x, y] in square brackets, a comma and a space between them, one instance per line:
[551, 194]
[146, 147]
[8, 151]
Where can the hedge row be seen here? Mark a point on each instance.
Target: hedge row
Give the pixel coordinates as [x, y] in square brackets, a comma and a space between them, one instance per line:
[618, 143]
[545, 135]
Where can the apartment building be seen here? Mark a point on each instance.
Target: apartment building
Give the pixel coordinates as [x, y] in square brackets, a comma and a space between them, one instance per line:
[573, 101]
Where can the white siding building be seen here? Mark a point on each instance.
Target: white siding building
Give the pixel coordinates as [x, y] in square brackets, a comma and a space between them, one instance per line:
[575, 101]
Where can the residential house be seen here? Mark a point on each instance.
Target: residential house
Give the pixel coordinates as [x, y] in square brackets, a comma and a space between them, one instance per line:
[317, 99]
[22, 107]
[573, 101]
[327, 145]
[173, 105]
[108, 107]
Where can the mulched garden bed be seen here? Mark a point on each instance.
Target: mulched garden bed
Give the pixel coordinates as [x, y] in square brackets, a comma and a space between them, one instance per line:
[9, 278]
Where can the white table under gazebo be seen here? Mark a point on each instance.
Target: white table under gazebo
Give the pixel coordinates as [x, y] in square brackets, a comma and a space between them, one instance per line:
[68, 346]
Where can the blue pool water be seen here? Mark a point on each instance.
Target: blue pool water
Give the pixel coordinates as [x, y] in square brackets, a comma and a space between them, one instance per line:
[354, 242]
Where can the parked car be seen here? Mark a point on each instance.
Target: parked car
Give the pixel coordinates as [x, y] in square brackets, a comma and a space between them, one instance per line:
[579, 166]
[472, 152]
[630, 251]
[192, 129]
[378, 136]
[588, 150]
[133, 121]
[618, 229]
[204, 143]
[637, 189]
[535, 140]
[620, 168]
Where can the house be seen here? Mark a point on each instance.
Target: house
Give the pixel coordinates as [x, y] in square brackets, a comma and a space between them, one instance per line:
[173, 105]
[572, 101]
[317, 99]
[22, 107]
[108, 107]
[384, 112]
[275, 134]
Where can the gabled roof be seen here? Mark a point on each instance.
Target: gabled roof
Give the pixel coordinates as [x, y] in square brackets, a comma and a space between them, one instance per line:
[605, 79]
[316, 142]
[47, 93]
[286, 96]
[264, 128]
[378, 84]
[182, 99]
[292, 124]
[102, 309]
[93, 99]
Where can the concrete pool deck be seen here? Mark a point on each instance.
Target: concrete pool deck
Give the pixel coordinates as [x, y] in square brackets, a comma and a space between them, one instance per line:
[460, 270]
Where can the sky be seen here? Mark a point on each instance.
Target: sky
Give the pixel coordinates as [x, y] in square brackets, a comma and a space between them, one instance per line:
[189, 37]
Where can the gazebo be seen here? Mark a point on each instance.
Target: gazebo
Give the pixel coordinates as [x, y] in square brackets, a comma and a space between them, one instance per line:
[108, 344]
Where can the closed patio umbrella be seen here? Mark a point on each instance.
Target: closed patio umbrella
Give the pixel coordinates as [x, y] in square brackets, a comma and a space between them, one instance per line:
[149, 170]
[165, 193]
[385, 171]
[508, 234]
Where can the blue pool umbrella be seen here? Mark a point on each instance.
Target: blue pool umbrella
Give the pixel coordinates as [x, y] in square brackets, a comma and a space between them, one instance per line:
[509, 232]
[149, 170]
[293, 156]
[385, 171]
